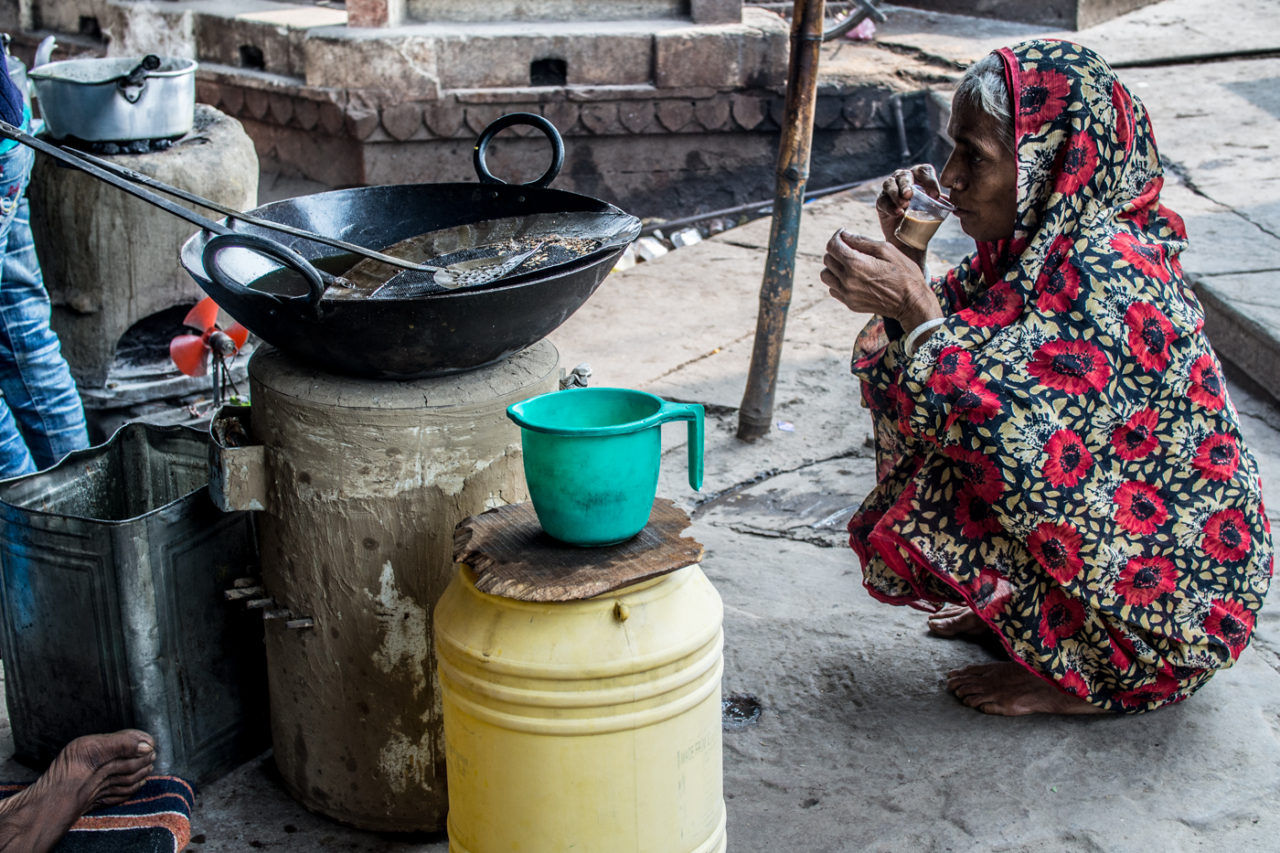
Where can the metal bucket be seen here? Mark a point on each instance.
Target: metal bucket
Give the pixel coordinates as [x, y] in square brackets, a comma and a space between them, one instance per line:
[114, 565]
[587, 725]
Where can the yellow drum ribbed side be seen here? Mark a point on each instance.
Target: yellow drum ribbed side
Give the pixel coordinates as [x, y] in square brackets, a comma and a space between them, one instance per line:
[587, 726]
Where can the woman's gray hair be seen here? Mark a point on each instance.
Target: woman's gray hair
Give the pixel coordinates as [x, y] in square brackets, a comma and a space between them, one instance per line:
[983, 86]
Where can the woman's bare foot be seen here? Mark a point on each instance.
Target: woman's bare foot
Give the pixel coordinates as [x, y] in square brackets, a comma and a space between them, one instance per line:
[1010, 690]
[91, 771]
[957, 620]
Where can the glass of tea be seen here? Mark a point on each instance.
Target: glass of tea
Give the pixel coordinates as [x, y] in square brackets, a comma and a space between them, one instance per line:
[924, 214]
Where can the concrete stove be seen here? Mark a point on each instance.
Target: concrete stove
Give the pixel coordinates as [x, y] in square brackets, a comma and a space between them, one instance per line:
[110, 263]
[361, 483]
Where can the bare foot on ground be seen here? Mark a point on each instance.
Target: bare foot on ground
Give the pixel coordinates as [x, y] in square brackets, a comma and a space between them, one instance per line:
[91, 771]
[1010, 690]
[957, 620]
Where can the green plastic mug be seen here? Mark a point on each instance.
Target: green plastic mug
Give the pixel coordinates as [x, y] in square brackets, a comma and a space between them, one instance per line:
[591, 459]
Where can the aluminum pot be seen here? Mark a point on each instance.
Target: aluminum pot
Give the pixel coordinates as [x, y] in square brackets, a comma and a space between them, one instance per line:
[116, 100]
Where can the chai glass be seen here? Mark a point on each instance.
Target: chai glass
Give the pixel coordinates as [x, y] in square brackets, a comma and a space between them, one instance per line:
[924, 214]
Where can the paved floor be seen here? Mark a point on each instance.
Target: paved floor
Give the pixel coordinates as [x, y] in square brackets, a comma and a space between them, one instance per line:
[858, 746]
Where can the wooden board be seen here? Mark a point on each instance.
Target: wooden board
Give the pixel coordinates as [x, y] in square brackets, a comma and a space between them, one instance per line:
[512, 557]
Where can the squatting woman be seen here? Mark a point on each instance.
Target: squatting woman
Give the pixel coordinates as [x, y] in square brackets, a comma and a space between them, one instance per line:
[1058, 460]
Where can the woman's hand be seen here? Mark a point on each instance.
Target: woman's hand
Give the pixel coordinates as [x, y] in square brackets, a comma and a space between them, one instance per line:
[892, 203]
[871, 277]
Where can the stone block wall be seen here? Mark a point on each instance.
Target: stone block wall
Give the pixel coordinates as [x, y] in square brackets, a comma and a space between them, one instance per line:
[1068, 14]
[657, 115]
[622, 59]
[61, 15]
[650, 153]
[416, 63]
[420, 61]
[362, 63]
[471, 12]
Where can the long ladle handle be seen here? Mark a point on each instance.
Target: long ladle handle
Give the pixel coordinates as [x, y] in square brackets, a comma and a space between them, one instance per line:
[232, 213]
[315, 280]
[8, 131]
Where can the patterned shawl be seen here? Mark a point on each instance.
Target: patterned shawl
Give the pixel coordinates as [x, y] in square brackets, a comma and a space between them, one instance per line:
[1061, 454]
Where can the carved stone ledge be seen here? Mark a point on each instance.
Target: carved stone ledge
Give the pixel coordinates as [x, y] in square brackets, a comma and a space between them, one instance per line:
[403, 121]
[445, 120]
[362, 115]
[675, 116]
[713, 115]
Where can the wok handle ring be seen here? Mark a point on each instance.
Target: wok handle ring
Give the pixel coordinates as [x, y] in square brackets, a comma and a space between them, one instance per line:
[510, 120]
[255, 243]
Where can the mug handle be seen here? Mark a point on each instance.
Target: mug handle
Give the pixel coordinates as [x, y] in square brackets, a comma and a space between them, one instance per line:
[694, 414]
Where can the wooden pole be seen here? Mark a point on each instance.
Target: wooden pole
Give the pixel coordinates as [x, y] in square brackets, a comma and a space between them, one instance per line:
[755, 417]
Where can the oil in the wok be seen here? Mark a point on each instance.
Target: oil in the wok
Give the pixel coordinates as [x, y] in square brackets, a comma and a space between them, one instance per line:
[286, 282]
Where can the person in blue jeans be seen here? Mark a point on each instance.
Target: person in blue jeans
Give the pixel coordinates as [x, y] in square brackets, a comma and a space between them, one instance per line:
[41, 416]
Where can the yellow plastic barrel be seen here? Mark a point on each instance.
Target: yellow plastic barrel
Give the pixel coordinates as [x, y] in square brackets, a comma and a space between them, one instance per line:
[587, 726]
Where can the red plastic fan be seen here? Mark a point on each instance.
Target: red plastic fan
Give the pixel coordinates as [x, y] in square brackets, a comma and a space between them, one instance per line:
[189, 352]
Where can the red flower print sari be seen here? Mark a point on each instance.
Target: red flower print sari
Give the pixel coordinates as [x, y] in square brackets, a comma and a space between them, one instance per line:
[1061, 455]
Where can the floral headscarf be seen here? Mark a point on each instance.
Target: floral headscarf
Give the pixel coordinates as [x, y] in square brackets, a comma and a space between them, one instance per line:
[1061, 453]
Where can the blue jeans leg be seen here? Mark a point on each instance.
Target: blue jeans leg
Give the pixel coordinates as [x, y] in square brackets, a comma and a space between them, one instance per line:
[43, 419]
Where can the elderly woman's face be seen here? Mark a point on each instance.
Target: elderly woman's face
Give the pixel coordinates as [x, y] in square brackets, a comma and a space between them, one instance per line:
[981, 173]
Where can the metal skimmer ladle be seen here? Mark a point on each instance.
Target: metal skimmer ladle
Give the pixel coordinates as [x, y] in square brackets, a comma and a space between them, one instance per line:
[450, 277]
[408, 285]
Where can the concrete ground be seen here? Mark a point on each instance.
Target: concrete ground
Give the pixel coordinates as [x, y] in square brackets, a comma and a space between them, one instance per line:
[858, 746]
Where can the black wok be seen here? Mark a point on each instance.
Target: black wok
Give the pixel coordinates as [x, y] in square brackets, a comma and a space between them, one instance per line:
[440, 333]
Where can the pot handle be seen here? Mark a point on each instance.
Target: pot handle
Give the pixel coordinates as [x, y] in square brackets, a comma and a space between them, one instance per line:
[694, 414]
[131, 85]
[510, 120]
[276, 251]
